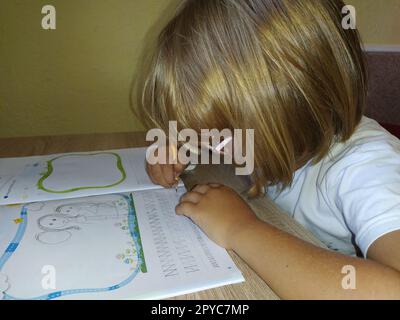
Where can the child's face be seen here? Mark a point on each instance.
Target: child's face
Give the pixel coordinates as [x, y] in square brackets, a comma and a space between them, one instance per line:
[54, 222]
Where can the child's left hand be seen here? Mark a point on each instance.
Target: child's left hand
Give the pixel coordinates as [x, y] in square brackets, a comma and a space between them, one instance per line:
[219, 211]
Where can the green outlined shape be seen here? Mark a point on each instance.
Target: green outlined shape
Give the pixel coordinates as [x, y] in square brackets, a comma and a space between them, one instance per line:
[136, 234]
[50, 170]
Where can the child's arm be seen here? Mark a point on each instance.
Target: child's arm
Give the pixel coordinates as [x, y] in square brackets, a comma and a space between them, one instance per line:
[293, 268]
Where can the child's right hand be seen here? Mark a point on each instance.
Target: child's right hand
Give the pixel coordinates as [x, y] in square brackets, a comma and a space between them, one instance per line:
[166, 175]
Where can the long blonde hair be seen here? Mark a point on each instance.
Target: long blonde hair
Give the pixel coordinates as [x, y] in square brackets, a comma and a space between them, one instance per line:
[285, 68]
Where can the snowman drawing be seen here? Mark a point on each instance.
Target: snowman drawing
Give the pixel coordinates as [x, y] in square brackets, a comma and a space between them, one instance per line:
[59, 226]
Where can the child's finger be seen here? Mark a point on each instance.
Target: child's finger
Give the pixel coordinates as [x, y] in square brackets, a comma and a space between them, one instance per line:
[201, 188]
[193, 197]
[187, 209]
[168, 174]
[215, 185]
[156, 176]
[178, 169]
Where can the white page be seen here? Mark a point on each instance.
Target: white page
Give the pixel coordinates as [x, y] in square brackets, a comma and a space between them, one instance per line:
[90, 248]
[71, 175]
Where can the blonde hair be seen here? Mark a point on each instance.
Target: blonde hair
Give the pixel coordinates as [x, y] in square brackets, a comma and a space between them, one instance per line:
[285, 68]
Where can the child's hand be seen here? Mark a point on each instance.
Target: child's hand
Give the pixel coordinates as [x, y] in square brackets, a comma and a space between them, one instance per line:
[219, 211]
[166, 175]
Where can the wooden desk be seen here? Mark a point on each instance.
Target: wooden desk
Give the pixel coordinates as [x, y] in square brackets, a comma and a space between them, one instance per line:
[254, 287]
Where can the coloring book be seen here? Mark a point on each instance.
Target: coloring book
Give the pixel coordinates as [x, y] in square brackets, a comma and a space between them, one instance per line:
[92, 226]
[72, 175]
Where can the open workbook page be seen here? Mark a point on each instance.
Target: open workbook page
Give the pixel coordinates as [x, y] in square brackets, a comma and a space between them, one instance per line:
[113, 246]
[71, 175]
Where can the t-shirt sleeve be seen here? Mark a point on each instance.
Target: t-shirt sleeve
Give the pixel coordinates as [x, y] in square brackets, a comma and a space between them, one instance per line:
[368, 192]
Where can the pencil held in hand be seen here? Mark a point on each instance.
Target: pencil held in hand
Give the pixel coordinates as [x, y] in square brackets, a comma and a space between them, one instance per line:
[174, 153]
[177, 182]
[166, 174]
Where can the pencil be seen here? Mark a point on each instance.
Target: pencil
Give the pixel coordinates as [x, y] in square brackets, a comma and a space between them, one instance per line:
[174, 155]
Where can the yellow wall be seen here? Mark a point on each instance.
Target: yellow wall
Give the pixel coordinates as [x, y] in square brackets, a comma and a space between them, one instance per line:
[378, 21]
[77, 79]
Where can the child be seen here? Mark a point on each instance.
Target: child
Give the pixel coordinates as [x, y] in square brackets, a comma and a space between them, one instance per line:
[290, 71]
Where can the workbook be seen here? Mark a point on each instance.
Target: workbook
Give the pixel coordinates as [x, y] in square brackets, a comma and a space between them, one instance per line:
[91, 225]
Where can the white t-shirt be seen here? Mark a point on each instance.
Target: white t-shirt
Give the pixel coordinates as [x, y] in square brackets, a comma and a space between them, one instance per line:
[352, 196]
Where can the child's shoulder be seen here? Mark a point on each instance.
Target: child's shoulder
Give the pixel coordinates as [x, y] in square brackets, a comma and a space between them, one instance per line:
[370, 154]
[370, 141]
[370, 131]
